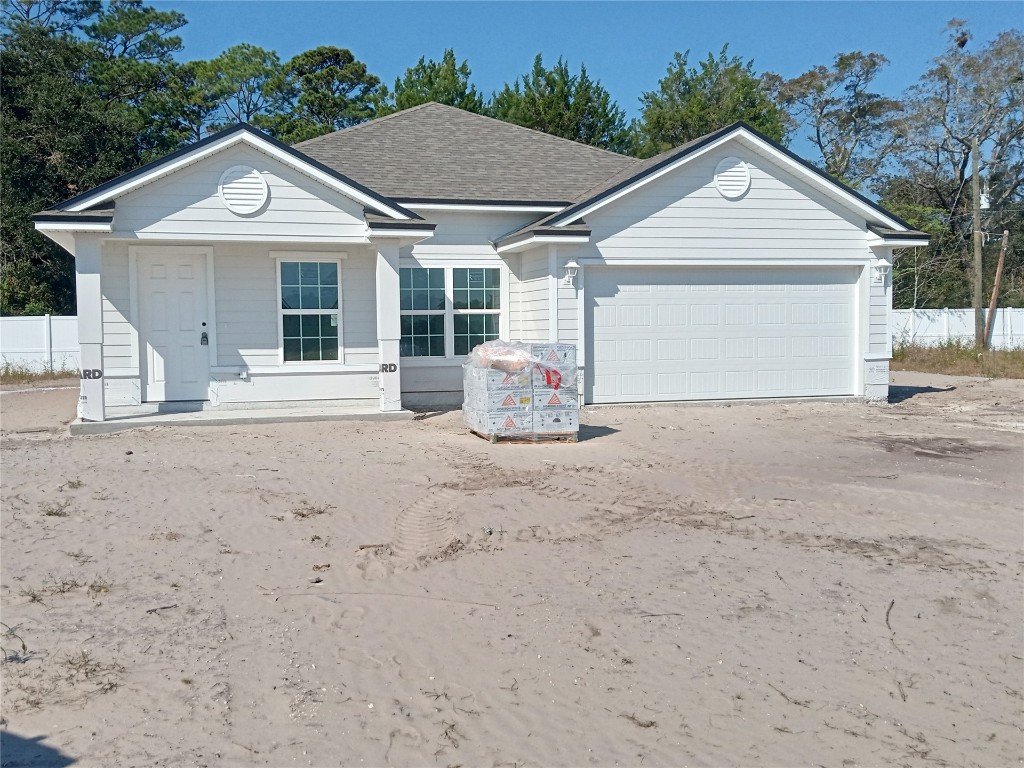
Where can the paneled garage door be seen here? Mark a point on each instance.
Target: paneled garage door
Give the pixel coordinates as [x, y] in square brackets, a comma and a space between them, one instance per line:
[695, 333]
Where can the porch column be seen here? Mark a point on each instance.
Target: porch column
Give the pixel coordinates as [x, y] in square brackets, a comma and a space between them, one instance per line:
[389, 327]
[91, 406]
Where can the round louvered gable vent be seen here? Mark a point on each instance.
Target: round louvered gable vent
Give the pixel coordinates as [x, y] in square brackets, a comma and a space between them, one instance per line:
[243, 190]
[732, 178]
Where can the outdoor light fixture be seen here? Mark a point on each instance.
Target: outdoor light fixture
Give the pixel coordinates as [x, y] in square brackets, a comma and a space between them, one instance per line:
[881, 270]
[571, 268]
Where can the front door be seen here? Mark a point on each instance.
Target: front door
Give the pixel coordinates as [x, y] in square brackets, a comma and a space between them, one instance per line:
[173, 326]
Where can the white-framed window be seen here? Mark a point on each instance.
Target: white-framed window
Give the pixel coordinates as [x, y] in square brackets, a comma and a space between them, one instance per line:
[446, 311]
[309, 309]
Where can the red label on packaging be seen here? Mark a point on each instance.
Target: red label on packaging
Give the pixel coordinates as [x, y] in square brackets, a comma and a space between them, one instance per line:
[553, 356]
[509, 423]
[554, 400]
[509, 400]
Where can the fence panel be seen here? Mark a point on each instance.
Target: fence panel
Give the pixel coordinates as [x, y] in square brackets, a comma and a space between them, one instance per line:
[930, 327]
[41, 343]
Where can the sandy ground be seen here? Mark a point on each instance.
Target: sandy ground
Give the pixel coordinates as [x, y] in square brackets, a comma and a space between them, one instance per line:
[769, 585]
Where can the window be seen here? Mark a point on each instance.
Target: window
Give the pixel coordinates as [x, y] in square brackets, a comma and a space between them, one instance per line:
[422, 302]
[446, 311]
[308, 288]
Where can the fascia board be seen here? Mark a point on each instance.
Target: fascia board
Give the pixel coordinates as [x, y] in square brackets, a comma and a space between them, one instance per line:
[536, 240]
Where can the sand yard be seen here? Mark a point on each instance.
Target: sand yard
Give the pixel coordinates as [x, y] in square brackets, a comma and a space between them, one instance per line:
[759, 585]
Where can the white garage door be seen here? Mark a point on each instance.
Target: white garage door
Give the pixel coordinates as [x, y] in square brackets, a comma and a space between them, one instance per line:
[695, 333]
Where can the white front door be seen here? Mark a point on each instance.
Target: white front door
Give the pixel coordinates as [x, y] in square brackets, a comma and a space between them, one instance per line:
[702, 333]
[172, 324]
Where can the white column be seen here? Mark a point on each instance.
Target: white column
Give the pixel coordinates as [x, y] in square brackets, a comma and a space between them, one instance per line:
[389, 327]
[90, 327]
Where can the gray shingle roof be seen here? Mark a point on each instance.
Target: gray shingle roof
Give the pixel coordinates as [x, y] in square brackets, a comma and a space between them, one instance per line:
[436, 152]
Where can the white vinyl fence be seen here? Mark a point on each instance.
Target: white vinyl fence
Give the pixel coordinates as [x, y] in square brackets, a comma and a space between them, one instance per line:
[929, 327]
[46, 343]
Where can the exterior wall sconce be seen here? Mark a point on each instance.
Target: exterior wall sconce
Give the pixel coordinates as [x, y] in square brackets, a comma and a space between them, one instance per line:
[571, 270]
[880, 270]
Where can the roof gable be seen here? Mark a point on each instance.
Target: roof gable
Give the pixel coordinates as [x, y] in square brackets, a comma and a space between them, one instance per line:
[439, 153]
[630, 179]
[235, 136]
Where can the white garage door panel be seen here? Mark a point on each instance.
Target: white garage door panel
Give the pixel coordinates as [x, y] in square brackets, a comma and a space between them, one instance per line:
[691, 333]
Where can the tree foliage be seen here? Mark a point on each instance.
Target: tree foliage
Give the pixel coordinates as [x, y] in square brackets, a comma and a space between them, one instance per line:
[557, 102]
[850, 125]
[966, 94]
[693, 101]
[444, 82]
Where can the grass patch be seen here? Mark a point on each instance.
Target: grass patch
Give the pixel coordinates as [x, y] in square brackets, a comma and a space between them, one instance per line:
[59, 509]
[307, 509]
[955, 358]
[20, 373]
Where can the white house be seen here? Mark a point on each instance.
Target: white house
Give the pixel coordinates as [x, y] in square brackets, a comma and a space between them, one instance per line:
[363, 265]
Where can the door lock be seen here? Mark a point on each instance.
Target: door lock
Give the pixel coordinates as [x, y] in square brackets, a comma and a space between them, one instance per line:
[204, 340]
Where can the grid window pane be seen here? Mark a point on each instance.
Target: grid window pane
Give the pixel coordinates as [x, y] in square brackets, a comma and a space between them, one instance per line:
[422, 336]
[478, 288]
[305, 286]
[421, 289]
[471, 330]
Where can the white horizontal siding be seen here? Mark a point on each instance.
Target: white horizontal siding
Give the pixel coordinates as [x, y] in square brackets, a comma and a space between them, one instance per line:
[248, 305]
[115, 287]
[879, 335]
[186, 204]
[682, 215]
[534, 298]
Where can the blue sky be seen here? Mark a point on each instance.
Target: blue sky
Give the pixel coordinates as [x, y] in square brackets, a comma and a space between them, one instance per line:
[625, 45]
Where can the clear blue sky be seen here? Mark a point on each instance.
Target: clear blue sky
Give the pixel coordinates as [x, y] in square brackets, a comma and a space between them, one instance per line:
[625, 45]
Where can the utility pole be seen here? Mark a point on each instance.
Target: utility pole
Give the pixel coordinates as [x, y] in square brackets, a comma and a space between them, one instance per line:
[995, 288]
[979, 312]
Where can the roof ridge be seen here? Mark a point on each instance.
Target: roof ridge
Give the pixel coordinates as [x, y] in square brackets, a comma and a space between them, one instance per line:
[471, 115]
[373, 121]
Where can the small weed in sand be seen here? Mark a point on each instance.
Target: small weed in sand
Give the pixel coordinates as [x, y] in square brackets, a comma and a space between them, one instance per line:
[19, 373]
[955, 358]
[80, 557]
[98, 587]
[73, 485]
[20, 653]
[187, 680]
[61, 585]
[51, 509]
[34, 594]
[308, 509]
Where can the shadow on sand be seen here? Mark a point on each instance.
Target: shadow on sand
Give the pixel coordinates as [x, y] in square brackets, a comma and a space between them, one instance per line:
[20, 752]
[900, 394]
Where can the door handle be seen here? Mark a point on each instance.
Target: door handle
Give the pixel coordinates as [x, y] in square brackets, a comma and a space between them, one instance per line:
[204, 340]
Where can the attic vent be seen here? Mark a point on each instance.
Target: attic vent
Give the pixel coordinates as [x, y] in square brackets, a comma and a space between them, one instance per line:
[243, 190]
[732, 178]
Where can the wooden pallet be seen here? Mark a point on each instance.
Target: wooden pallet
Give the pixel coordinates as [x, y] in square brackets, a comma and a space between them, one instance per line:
[537, 437]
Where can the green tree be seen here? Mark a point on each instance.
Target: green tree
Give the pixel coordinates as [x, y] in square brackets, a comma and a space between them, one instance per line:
[562, 104]
[694, 101]
[66, 125]
[851, 126]
[444, 82]
[323, 89]
[968, 93]
[246, 81]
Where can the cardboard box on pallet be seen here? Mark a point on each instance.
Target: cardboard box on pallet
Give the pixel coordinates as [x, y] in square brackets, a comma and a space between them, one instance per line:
[560, 356]
[499, 423]
[552, 377]
[493, 380]
[561, 399]
[502, 401]
[556, 422]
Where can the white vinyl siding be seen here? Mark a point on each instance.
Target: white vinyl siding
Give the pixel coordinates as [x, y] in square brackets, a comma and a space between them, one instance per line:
[359, 306]
[117, 329]
[682, 215]
[879, 336]
[186, 205]
[534, 297]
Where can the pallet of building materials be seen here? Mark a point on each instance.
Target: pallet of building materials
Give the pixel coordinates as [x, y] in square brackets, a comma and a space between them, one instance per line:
[516, 392]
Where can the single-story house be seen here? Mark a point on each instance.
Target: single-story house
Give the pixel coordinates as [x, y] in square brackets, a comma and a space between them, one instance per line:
[365, 264]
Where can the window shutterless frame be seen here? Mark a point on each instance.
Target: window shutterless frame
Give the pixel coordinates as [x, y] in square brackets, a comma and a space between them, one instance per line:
[308, 257]
[501, 315]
